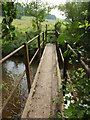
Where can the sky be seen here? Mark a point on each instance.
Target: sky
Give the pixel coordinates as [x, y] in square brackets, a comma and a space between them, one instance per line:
[55, 12]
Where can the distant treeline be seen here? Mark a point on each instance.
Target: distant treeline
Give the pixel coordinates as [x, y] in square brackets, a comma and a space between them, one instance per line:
[53, 17]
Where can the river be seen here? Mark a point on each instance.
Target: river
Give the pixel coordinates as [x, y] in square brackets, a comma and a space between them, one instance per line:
[11, 70]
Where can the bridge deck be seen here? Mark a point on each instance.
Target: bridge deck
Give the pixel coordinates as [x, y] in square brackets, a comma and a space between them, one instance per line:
[41, 102]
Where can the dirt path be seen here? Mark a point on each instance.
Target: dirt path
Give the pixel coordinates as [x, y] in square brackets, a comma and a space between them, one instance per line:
[41, 101]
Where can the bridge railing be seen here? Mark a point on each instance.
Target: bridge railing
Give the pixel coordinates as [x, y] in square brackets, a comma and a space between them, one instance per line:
[27, 62]
[64, 61]
[83, 64]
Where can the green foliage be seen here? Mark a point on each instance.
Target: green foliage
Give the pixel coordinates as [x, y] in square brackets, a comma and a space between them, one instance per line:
[85, 25]
[61, 39]
[9, 13]
[58, 24]
[78, 28]
[7, 47]
[81, 85]
[67, 53]
[76, 33]
[71, 34]
[20, 10]
[58, 116]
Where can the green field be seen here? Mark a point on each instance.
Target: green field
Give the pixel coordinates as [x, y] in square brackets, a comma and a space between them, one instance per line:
[25, 24]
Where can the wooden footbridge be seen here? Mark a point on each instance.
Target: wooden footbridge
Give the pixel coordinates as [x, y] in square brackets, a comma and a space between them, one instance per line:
[43, 95]
[45, 89]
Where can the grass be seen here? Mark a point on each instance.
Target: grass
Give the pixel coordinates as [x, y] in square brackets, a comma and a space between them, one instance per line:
[25, 24]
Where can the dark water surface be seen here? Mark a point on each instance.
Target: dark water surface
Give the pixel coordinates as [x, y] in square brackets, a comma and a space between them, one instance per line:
[11, 70]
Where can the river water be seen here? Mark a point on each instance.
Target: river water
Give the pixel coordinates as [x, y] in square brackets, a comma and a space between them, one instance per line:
[11, 70]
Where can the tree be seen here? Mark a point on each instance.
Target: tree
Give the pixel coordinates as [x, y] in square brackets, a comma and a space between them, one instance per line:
[20, 10]
[9, 13]
[73, 10]
[78, 27]
[38, 10]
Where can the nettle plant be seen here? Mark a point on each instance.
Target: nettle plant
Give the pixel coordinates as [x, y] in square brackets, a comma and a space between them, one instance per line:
[80, 85]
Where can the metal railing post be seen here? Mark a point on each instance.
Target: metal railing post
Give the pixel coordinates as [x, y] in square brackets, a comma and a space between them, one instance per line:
[27, 66]
[55, 31]
[46, 33]
[64, 70]
[64, 66]
[43, 39]
[26, 36]
[39, 46]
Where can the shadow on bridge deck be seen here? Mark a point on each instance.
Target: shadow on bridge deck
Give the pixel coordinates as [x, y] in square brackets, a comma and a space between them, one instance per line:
[42, 100]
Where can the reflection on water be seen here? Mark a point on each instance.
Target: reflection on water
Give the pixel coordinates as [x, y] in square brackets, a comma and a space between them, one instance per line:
[11, 70]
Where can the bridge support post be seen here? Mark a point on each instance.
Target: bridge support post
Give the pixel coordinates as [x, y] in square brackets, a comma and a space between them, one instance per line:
[56, 34]
[27, 66]
[55, 31]
[39, 46]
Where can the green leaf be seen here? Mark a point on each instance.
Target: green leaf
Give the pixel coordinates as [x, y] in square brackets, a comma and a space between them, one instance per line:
[81, 26]
[61, 39]
[66, 53]
[86, 90]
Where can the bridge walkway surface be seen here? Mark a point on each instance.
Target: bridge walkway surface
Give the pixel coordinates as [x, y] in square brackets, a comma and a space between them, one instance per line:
[42, 99]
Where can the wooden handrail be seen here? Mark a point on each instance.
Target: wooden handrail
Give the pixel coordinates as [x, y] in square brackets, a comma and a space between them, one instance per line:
[86, 68]
[32, 39]
[11, 54]
[20, 78]
[34, 56]
[72, 49]
[61, 55]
